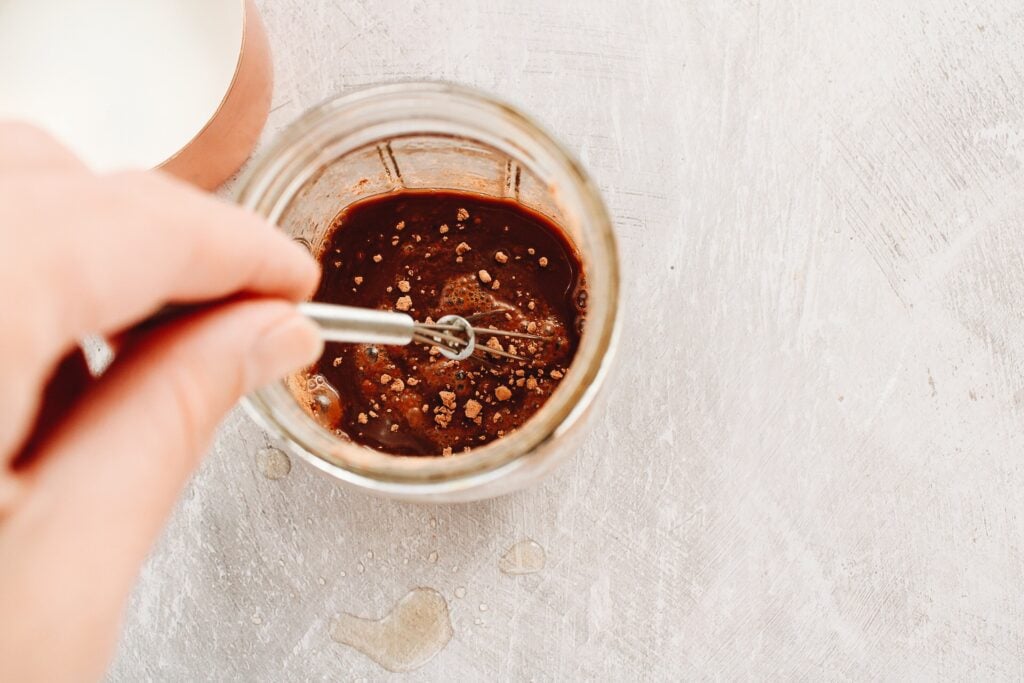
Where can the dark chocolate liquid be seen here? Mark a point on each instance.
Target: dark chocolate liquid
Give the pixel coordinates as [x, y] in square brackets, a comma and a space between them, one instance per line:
[422, 252]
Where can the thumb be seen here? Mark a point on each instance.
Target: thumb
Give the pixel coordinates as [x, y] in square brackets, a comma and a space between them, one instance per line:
[106, 480]
[139, 433]
[101, 486]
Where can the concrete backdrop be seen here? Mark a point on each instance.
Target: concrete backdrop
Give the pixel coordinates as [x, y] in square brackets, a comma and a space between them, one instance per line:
[810, 462]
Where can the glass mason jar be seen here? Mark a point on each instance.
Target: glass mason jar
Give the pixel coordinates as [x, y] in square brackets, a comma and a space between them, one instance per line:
[436, 136]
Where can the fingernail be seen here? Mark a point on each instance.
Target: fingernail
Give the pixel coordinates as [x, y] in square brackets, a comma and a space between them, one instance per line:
[286, 347]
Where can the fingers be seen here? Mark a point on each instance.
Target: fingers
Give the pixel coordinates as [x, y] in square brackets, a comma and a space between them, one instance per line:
[144, 240]
[84, 254]
[115, 466]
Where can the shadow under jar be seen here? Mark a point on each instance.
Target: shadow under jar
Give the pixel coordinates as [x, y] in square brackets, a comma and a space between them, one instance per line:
[433, 136]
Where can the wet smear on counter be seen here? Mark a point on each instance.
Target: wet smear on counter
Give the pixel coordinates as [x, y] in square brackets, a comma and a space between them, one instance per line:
[525, 557]
[274, 464]
[405, 639]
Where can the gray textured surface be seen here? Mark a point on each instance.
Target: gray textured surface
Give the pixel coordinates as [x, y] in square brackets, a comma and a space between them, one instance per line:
[816, 472]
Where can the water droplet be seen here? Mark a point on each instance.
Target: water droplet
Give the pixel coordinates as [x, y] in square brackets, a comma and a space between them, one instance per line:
[405, 639]
[525, 557]
[274, 463]
[433, 522]
[256, 619]
[460, 592]
[432, 557]
[483, 606]
[369, 554]
[478, 621]
[360, 568]
[455, 569]
[321, 581]
[343, 574]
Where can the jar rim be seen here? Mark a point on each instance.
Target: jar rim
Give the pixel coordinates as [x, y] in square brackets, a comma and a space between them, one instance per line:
[275, 176]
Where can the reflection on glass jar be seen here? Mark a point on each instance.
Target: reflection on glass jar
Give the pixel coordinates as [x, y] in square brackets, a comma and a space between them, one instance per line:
[429, 136]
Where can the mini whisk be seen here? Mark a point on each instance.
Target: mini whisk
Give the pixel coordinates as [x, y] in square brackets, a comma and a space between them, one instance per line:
[453, 335]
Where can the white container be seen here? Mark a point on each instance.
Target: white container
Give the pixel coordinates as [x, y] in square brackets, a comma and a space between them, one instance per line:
[178, 84]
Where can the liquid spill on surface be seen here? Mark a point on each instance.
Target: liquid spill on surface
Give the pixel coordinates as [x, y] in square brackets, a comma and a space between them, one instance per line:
[405, 639]
[274, 464]
[525, 557]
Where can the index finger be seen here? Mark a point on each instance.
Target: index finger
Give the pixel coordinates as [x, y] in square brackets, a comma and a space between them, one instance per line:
[137, 241]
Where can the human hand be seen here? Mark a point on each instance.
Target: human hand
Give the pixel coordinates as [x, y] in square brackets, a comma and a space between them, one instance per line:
[92, 466]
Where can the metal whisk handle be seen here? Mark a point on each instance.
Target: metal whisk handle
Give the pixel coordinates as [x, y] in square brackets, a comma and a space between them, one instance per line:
[360, 325]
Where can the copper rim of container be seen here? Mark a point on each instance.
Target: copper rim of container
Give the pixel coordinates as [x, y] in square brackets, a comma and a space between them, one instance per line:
[228, 137]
